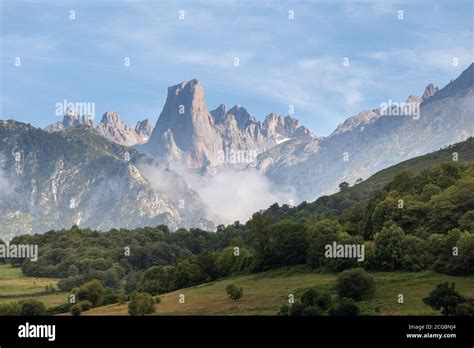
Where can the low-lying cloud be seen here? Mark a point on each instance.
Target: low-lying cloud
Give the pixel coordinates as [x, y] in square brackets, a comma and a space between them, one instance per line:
[228, 195]
[236, 195]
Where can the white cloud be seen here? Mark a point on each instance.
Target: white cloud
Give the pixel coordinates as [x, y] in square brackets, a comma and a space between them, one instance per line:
[232, 195]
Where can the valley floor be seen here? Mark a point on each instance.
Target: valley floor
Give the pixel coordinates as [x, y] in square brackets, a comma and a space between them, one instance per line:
[265, 293]
[14, 286]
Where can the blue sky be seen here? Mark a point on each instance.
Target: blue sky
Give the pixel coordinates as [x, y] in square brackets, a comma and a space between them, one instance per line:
[282, 61]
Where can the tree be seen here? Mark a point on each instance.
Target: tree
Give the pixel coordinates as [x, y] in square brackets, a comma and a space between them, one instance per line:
[92, 291]
[345, 306]
[234, 292]
[388, 245]
[141, 303]
[356, 284]
[344, 186]
[414, 256]
[32, 307]
[445, 298]
[321, 233]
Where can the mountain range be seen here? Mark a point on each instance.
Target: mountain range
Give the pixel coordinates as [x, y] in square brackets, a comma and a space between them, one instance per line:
[112, 175]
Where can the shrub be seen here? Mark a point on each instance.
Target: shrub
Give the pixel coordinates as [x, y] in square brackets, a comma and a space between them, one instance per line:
[297, 309]
[85, 305]
[141, 303]
[92, 291]
[356, 284]
[311, 311]
[234, 292]
[32, 307]
[466, 308]
[284, 310]
[62, 308]
[312, 297]
[10, 308]
[345, 306]
[76, 310]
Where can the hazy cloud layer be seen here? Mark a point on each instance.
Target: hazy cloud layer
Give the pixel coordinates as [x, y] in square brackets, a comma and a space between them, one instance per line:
[232, 195]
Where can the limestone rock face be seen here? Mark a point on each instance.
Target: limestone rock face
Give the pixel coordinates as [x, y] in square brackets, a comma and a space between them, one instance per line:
[187, 133]
[110, 127]
[59, 179]
[430, 91]
[186, 121]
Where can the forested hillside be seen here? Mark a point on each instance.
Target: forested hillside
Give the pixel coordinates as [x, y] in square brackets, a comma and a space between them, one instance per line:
[421, 219]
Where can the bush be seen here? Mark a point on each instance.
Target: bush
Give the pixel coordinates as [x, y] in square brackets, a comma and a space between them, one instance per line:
[10, 308]
[32, 307]
[141, 303]
[110, 297]
[297, 309]
[76, 310]
[466, 308]
[234, 292]
[157, 299]
[92, 291]
[345, 306]
[62, 308]
[312, 297]
[284, 310]
[85, 305]
[311, 311]
[356, 284]
[445, 298]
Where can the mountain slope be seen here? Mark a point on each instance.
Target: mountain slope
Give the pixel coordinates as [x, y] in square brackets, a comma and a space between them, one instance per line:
[333, 205]
[79, 177]
[374, 140]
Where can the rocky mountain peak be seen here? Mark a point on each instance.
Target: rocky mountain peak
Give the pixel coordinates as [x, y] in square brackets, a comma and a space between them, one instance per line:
[111, 126]
[219, 114]
[112, 119]
[464, 82]
[144, 127]
[185, 118]
[430, 91]
[280, 126]
[70, 120]
[241, 115]
[186, 131]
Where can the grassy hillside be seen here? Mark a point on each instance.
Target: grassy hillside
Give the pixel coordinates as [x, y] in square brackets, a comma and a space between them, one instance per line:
[465, 151]
[265, 293]
[14, 286]
[333, 205]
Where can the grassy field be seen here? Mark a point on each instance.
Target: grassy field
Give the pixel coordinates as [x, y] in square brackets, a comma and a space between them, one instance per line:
[265, 293]
[14, 286]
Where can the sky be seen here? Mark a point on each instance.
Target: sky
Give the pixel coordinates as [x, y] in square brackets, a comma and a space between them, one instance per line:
[328, 59]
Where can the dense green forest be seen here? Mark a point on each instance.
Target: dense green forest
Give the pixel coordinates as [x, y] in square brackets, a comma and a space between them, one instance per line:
[415, 221]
